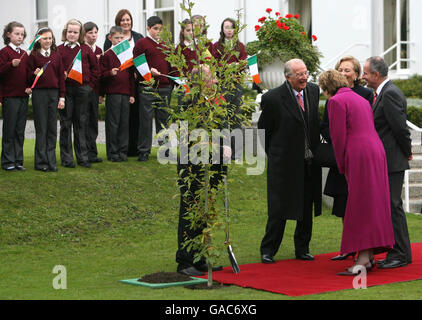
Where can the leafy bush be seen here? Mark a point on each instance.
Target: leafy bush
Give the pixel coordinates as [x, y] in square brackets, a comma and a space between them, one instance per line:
[411, 88]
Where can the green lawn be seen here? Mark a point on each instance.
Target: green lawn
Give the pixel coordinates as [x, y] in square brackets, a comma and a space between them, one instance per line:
[119, 221]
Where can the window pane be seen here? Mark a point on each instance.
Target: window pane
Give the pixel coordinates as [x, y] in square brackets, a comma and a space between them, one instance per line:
[42, 10]
[390, 30]
[164, 4]
[168, 19]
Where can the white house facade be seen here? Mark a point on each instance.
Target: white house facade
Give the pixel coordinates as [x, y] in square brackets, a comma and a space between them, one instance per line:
[363, 28]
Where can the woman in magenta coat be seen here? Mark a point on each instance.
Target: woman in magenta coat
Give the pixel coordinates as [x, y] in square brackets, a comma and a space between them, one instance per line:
[360, 155]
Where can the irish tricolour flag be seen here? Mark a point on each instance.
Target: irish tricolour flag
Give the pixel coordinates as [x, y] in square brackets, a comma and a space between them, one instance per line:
[141, 65]
[33, 42]
[180, 82]
[124, 54]
[253, 68]
[76, 71]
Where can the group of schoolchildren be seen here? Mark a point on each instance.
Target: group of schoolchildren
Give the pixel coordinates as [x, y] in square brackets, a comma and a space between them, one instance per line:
[55, 91]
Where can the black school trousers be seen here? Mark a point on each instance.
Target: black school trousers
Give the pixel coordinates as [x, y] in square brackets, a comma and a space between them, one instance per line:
[44, 103]
[14, 112]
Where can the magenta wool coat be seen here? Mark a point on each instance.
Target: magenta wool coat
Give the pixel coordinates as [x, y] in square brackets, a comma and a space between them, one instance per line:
[361, 157]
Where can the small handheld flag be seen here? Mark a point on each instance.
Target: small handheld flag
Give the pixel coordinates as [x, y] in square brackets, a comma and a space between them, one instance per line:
[141, 65]
[76, 71]
[180, 82]
[253, 68]
[33, 42]
[124, 54]
[39, 74]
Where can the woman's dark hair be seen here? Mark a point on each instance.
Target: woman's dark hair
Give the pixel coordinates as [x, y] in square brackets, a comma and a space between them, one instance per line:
[37, 46]
[222, 39]
[9, 29]
[90, 26]
[182, 31]
[120, 15]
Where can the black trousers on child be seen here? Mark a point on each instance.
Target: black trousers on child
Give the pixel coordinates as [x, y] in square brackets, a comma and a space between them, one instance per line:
[74, 115]
[14, 123]
[149, 104]
[44, 102]
[117, 126]
[92, 126]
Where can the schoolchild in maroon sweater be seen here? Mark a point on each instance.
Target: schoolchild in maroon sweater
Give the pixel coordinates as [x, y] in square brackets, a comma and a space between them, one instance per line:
[96, 97]
[149, 104]
[15, 100]
[188, 47]
[77, 95]
[48, 95]
[227, 51]
[119, 88]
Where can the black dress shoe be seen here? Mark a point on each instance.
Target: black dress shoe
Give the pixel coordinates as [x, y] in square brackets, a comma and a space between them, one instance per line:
[20, 168]
[84, 164]
[204, 268]
[53, 169]
[143, 157]
[68, 165]
[267, 259]
[305, 257]
[96, 160]
[191, 271]
[42, 169]
[10, 168]
[341, 257]
[392, 264]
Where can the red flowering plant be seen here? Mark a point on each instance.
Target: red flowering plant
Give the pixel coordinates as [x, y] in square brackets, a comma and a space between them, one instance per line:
[284, 38]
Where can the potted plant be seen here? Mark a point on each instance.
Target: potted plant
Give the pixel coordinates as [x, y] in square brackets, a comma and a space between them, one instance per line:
[281, 38]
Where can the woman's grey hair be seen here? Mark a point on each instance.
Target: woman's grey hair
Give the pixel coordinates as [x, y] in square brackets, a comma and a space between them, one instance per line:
[377, 64]
[288, 72]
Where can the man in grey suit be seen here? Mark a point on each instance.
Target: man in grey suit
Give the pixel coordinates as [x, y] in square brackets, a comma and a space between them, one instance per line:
[390, 112]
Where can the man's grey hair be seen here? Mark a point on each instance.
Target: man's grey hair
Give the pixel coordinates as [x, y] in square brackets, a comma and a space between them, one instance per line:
[288, 72]
[378, 64]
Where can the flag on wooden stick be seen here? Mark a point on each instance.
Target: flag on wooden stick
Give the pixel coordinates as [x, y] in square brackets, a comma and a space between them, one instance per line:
[124, 54]
[76, 71]
[39, 74]
[142, 66]
[253, 68]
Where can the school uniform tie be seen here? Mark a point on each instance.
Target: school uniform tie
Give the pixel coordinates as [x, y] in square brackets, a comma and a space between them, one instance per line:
[46, 54]
[300, 101]
[18, 50]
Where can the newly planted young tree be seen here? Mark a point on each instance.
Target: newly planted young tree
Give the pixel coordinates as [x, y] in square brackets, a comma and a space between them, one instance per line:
[202, 112]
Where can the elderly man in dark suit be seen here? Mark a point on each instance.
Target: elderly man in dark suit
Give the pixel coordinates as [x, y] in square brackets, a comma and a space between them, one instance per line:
[390, 111]
[291, 122]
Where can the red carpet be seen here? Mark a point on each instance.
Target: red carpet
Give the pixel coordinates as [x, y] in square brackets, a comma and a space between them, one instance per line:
[298, 278]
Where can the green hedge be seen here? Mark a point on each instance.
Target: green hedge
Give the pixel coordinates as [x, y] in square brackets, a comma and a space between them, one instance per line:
[412, 87]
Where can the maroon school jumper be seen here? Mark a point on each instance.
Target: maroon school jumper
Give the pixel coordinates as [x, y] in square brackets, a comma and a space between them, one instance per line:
[53, 76]
[13, 79]
[122, 83]
[155, 58]
[90, 69]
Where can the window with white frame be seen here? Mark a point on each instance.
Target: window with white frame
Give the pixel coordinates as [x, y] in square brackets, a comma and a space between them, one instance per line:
[396, 33]
[163, 8]
[41, 13]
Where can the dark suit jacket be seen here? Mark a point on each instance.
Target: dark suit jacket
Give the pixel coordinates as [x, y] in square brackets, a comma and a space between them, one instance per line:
[390, 114]
[285, 147]
[336, 184]
[135, 35]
